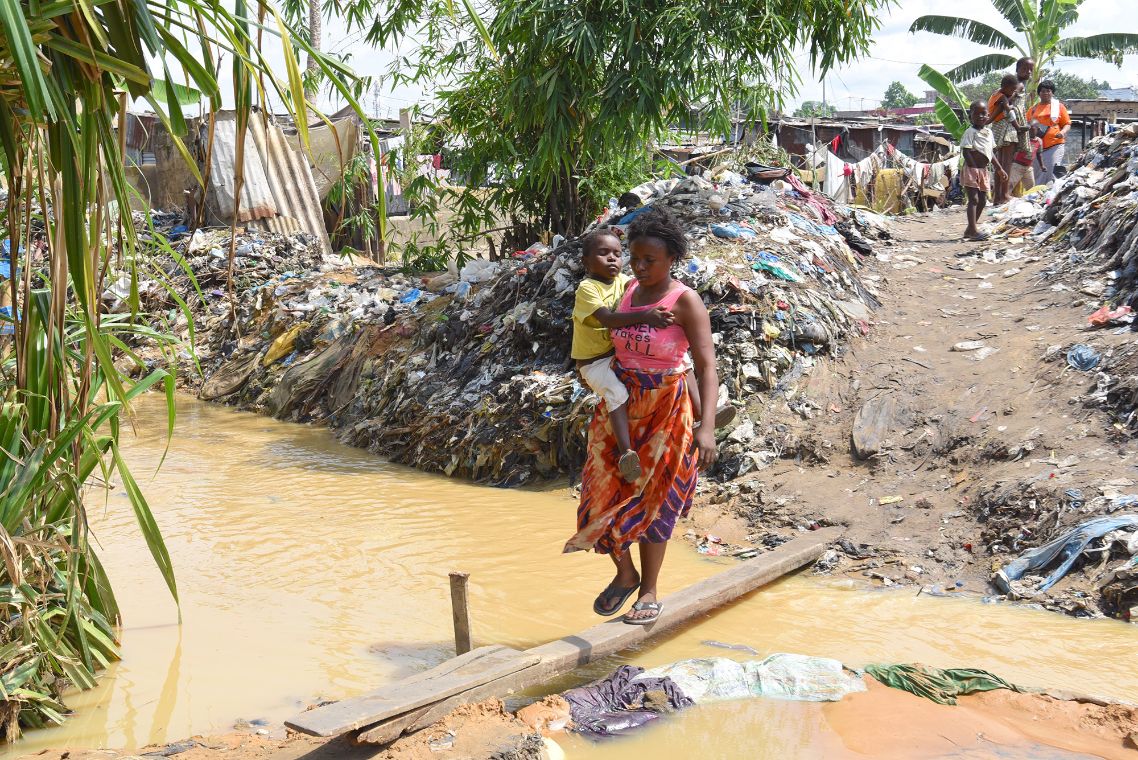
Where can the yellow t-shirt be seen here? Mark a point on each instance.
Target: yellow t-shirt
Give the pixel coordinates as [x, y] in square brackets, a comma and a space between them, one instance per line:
[590, 337]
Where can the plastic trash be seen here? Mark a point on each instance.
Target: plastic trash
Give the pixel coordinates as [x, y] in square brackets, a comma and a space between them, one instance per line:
[7, 321]
[411, 296]
[968, 345]
[615, 704]
[1106, 316]
[732, 231]
[707, 679]
[1082, 357]
[1065, 549]
[479, 270]
[768, 262]
[780, 676]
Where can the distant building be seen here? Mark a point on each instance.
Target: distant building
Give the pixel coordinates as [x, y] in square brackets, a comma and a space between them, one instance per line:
[1119, 93]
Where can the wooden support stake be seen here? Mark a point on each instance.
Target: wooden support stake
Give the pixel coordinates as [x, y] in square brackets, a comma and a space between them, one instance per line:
[460, 611]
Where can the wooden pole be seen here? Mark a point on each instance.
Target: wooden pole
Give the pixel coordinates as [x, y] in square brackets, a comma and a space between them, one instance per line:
[460, 611]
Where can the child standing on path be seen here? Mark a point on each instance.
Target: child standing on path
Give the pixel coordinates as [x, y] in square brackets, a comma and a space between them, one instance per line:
[977, 144]
[1009, 130]
[594, 313]
[1023, 172]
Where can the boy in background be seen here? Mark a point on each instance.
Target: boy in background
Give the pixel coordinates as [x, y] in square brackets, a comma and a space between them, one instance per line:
[978, 144]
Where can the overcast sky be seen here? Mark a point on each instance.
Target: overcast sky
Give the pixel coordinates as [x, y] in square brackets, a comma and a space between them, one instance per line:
[895, 55]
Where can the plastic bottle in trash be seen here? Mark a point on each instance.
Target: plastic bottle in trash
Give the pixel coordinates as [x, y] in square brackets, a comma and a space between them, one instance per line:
[614, 205]
[765, 196]
[462, 291]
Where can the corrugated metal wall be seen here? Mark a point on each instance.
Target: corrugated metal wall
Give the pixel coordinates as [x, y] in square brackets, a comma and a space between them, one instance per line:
[278, 192]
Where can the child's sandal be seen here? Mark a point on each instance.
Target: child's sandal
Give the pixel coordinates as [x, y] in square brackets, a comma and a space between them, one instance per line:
[629, 465]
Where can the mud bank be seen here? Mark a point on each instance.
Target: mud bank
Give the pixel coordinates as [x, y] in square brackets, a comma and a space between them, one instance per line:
[880, 723]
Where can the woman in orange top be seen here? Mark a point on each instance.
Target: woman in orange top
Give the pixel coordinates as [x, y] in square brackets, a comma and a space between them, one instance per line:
[1052, 116]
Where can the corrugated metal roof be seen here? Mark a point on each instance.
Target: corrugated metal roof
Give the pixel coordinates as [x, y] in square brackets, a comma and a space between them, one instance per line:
[1120, 93]
[278, 192]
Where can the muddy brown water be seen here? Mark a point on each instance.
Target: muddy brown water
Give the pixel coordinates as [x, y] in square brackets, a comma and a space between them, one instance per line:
[311, 571]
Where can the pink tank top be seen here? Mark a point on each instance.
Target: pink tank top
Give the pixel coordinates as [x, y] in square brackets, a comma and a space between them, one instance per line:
[647, 348]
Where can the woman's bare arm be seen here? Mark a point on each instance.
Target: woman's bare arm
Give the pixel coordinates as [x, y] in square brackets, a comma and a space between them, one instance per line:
[692, 315]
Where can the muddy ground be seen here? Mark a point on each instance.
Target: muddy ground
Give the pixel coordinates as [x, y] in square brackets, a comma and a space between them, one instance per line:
[983, 453]
[979, 454]
[879, 723]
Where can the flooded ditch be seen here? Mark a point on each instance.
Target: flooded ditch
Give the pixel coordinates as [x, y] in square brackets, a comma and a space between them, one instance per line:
[310, 571]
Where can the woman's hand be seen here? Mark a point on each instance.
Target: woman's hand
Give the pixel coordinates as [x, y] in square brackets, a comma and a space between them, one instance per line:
[703, 446]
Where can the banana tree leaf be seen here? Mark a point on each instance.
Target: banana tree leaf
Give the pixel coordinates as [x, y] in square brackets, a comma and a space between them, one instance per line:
[1105, 46]
[186, 96]
[979, 66]
[944, 86]
[949, 120]
[965, 29]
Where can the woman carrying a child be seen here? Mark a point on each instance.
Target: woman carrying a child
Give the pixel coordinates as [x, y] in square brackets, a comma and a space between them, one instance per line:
[614, 513]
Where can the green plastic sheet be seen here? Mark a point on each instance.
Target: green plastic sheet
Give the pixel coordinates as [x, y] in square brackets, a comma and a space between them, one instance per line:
[941, 686]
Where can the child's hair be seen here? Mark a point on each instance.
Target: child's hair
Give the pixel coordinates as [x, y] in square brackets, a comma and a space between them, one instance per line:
[658, 223]
[629, 201]
[589, 242]
[1009, 80]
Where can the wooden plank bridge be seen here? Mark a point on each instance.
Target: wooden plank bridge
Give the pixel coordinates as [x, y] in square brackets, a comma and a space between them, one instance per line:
[383, 715]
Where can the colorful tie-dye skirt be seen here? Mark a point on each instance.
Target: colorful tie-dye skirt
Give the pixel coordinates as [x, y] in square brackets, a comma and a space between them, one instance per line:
[614, 514]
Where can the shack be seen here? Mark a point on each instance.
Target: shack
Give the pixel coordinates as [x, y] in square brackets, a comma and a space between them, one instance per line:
[853, 140]
[287, 187]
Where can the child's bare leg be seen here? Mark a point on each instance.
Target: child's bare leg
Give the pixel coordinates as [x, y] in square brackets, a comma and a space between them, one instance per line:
[618, 418]
[693, 394]
[973, 203]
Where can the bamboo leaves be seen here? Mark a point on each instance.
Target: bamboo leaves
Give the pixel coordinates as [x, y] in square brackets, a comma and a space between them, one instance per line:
[64, 65]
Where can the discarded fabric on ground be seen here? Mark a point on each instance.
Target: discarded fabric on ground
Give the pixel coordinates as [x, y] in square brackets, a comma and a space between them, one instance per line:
[779, 676]
[625, 700]
[942, 686]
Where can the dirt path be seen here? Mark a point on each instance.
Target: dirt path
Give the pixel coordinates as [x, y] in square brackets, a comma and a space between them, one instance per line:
[979, 448]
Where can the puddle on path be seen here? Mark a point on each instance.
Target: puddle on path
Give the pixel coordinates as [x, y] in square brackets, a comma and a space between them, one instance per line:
[309, 570]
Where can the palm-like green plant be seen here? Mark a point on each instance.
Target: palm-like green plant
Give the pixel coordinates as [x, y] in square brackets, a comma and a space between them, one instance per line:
[67, 68]
[1039, 28]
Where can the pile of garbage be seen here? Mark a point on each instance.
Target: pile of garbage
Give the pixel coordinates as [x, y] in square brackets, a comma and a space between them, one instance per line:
[468, 372]
[289, 298]
[1056, 532]
[1088, 221]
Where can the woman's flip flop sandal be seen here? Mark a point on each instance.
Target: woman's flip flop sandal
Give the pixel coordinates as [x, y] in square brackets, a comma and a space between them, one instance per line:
[611, 591]
[655, 607]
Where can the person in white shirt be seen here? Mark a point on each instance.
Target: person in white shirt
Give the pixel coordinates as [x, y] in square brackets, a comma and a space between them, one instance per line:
[978, 144]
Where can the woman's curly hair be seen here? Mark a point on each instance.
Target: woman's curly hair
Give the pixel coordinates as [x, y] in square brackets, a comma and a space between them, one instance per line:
[660, 224]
